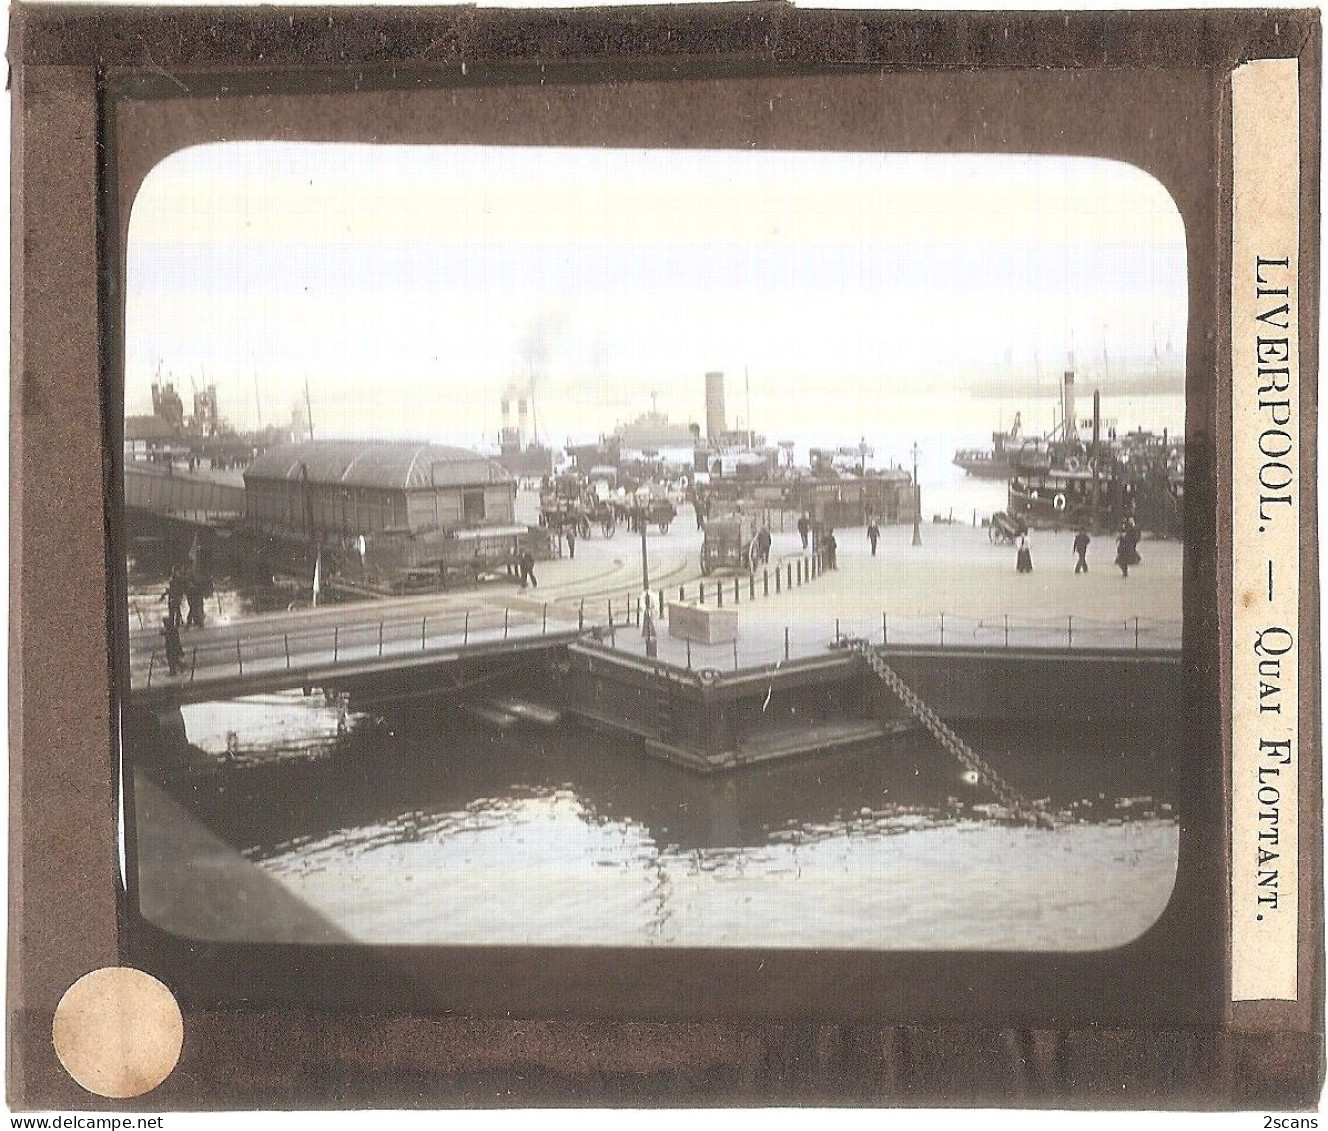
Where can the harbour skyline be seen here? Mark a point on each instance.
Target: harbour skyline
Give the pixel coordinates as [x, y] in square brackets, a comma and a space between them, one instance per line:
[850, 286]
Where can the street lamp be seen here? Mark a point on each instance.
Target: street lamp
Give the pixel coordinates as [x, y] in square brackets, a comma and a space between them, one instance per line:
[917, 500]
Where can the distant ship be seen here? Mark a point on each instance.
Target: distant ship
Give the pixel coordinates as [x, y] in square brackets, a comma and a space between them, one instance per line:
[1009, 452]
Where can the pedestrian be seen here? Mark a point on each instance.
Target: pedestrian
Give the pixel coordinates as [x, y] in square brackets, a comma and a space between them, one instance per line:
[195, 592]
[1124, 552]
[1132, 536]
[873, 535]
[174, 596]
[763, 545]
[828, 548]
[527, 562]
[1023, 562]
[804, 528]
[1081, 541]
[571, 542]
[174, 649]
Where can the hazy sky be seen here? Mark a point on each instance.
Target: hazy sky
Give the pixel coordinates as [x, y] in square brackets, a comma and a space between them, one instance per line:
[409, 285]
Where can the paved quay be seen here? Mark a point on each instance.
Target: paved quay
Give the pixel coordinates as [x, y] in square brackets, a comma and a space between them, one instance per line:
[956, 589]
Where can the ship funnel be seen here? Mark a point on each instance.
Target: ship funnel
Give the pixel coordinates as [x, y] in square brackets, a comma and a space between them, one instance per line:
[1067, 397]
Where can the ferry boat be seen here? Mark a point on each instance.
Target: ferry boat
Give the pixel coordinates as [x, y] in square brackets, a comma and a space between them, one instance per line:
[1144, 479]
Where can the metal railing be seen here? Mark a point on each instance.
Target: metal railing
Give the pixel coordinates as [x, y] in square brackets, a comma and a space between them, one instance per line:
[229, 653]
[766, 645]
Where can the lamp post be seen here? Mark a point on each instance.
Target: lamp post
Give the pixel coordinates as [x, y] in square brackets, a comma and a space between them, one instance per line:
[917, 500]
[645, 565]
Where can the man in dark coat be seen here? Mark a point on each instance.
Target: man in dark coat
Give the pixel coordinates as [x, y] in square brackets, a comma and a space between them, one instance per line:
[1023, 562]
[195, 591]
[527, 563]
[174, 596]
[571, 540]
[763, 545]
[804, 528]
[873, 535]
[828, 547]
[1081, 541]
[174, 649]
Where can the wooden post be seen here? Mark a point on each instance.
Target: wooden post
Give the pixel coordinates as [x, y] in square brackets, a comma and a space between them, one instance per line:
[380, 640]
[336, 646]
[1069, 632]
[506, 616]
[465, 630]
[786, 642]
[735, 590]
[735, 654]
[424, 631]
[942, 628]
[765, 582]
[885, 632]
[285, 636]
[239, 659]
[544, 628]
[751, 586]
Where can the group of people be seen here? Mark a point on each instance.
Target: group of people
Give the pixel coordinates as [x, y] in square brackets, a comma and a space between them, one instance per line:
[1127, 549]
[186, 585]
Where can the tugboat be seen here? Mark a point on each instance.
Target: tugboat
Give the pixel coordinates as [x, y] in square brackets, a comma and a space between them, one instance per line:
[1009, 452]
[1099, 484]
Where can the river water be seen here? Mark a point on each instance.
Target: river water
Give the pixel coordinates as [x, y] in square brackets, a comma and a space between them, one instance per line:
[444, 832]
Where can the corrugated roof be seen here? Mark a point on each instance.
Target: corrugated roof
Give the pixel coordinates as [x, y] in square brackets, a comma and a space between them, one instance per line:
[399, 464]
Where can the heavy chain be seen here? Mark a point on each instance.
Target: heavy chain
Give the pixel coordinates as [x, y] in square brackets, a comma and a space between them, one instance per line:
[969, 758]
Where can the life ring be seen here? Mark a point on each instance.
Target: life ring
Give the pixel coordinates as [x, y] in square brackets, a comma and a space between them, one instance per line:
[1059, 501]
[708, 676]
[1072, 464]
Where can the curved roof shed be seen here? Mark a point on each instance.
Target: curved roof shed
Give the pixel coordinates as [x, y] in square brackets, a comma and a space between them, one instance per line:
[403, 465]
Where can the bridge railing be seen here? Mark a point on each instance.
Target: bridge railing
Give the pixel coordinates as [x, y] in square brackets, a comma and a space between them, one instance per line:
[772, 642]
[226, 653]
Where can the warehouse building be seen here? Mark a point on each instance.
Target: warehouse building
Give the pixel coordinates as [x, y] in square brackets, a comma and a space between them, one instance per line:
[401, 503]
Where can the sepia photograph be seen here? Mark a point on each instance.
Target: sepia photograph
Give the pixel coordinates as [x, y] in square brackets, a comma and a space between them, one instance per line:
[553, 546]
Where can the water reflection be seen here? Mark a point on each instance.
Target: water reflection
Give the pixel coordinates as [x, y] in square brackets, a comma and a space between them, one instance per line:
[444, 832]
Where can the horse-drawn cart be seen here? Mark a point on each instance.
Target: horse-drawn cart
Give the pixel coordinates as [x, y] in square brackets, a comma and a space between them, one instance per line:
[1005, 529]
[730, 543]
